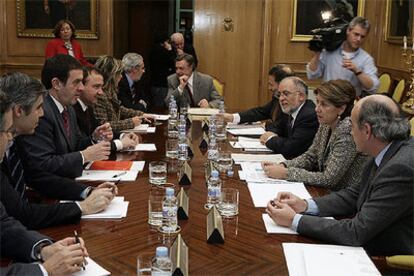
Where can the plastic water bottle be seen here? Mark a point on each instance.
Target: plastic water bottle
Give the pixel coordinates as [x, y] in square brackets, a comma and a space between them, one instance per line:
[169, 211]
[182, 140]
[213, 189]
[212, 126]
[172, 121]
[221, 124]
[212, 151]
[161, 264]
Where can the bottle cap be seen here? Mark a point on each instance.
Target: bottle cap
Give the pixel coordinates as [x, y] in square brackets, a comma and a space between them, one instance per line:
[161, 251]
[230, 173]
[169, 192]
[214, 173]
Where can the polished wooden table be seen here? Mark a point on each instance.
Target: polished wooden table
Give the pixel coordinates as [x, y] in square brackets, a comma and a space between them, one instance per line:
[248, 249]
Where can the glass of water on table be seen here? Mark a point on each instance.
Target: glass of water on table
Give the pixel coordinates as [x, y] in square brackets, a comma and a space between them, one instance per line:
[228, 205]
[157, 172]
[224, 161]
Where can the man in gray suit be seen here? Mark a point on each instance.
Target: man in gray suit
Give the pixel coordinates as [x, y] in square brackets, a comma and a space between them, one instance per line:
[380, 209]
[189, 87]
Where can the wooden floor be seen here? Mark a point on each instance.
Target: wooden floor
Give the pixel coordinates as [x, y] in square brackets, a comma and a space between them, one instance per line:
[248, 249]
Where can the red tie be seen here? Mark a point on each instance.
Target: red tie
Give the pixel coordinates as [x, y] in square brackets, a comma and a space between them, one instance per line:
[187, 88]
[66, 121]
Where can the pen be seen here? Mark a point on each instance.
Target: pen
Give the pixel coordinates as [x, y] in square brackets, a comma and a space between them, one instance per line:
[78, 241]
[116, 183]
[119, 174]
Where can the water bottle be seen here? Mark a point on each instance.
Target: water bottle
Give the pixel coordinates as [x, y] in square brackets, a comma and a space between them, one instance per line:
[212, 126]
[172, 121]
[161, 264]
[182, 140]
[213, 189]
[212, 151]
[169, 211]
[221, 124]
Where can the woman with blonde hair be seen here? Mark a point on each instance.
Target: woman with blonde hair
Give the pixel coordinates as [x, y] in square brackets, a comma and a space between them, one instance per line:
[109, 108]
[332, 160]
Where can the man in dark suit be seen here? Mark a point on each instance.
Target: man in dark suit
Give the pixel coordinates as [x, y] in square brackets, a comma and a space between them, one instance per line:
[181, 47]
[381, 207]
[271, 110]
[292, 133]
[190, 87]
[130, 93]
[93, 82]
[57, 145]
[26, 95]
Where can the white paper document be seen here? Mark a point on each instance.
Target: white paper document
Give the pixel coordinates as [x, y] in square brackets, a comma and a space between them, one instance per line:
[112, 175]
[238, 126]
[117, 209]
[143, 147]
[142, 128]
[274, 228]
[202, 111]
[160, 117]
[247, 131]
[262, 193]
[243, 157]
[92, 269]
[322, 259]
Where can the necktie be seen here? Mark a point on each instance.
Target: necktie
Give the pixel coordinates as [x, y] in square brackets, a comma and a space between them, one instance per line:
[133, 93]
[66, 121]
[290, 125]
[190, 95]
[15, 167]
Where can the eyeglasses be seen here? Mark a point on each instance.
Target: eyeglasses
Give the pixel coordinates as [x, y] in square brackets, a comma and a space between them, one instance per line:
[286, 93]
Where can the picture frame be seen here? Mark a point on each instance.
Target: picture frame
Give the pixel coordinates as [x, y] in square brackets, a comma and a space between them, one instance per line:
[399, 22]
[306, 16]
[36, 19]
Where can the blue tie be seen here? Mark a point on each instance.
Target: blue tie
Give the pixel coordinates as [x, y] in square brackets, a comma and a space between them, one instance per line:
[15, 167]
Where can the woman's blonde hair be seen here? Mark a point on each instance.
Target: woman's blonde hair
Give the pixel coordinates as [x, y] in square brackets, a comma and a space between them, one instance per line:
[111, 69]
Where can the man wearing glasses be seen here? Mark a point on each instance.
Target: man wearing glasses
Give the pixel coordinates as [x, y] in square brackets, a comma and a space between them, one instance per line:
[293, 132]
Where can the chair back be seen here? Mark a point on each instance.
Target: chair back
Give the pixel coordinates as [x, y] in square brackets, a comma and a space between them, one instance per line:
[398, 91]
[412, 126]
[385, 83]
[219, 86]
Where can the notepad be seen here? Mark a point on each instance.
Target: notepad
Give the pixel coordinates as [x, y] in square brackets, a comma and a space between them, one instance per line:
[110, 165]
[92, 269]
[160, 117]
[323, 259]
[112, 175]
[143, 147]
[202, 111]
[142, 128]
[238, 126]
[274, 228]
[244, 157]
[247, 131]
[117, 209]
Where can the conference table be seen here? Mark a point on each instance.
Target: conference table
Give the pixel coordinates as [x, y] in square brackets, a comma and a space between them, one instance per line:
[247, 250]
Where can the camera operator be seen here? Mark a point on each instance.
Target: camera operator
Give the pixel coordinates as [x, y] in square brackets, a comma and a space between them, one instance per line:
[348, 62]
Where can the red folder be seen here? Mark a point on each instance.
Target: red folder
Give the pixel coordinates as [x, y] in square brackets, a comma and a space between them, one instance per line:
[111, 165]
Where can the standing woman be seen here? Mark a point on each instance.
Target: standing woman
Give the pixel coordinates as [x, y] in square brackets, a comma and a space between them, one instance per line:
[65, 42]
[332, 160]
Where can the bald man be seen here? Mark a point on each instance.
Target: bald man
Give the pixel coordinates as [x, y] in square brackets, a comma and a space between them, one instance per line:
[181, 47]
[379, 209]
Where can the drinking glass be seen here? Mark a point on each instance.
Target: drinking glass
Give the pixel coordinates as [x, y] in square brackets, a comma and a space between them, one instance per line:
[171, 148]
[144, 263]
[158, 172]
[156, 196]
[224, 161]
[229, 202]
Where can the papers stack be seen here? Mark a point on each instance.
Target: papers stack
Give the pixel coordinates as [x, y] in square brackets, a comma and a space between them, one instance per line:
[274, 228]
[257, 131]
[117, 209]
[142, 128]
[262, 193]
[321, 260]
[114, 173]
[92, 269]
[202, 111]
[238, 126]
[143, 147]
[160, 117]
[250, 144]
[243, 157]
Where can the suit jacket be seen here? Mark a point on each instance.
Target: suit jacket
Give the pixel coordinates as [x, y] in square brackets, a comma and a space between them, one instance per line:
[35, 216]
[126, 97]
[57, 46]
[162, 64]
[331, 161]
[203, 88]
[17, 243]
[48, 184]
[109, 109]
[381, 206]
[49, 149]
[87, 122]
[261, 113]
[296, 141]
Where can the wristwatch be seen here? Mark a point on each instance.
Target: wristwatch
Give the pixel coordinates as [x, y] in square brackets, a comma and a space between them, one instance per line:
[358, 73]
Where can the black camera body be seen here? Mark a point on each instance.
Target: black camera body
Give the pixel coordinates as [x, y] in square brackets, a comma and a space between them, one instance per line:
[329, 38]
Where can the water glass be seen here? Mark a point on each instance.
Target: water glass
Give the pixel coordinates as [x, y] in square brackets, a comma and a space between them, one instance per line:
[155, 199]
[224, 161]
[171, 148]
[144, 263]
[158, 172]
[229, 202]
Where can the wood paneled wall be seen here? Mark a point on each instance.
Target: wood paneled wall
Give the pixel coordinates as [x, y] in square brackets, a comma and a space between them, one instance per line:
[27, 54]
[274, 24]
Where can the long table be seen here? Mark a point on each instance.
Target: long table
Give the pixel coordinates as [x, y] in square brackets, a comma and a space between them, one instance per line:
[248, 249]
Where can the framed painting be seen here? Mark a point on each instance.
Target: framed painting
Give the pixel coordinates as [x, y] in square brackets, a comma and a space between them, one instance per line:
[307, 15]
[37, 18]
[399, 20]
